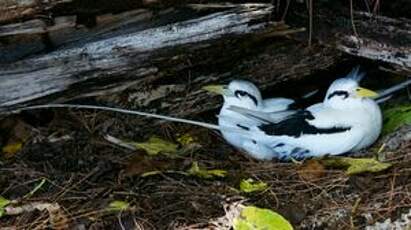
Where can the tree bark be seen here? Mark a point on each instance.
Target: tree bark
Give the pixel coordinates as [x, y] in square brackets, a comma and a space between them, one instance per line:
[118, 56]
[13, 10]
[381, 39]
[158, 60]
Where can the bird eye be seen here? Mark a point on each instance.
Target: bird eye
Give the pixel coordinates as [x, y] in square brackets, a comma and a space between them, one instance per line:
[240, 93]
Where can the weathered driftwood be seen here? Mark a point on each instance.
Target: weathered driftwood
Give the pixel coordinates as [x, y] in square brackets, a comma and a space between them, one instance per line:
[11, 10]
[21, 10]
[125, 57]
[134, 59]
[39, 35]
[161, 69]
[380, 38]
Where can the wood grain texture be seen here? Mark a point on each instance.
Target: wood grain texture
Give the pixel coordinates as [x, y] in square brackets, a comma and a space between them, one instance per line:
[125, 56]
[12, 10]
[381, 39]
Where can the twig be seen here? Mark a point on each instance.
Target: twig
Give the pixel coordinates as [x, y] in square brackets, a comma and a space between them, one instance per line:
[31, 193]
[352, 19]
[286, 10]
[354, 211]
[310, 13]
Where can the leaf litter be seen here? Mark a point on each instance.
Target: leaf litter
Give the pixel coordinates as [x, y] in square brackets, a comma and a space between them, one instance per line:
[86, 173]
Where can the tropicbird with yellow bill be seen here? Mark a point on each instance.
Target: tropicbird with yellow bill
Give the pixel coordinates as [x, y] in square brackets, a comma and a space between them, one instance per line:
[245, 94]
[271, 143]
[347, 120]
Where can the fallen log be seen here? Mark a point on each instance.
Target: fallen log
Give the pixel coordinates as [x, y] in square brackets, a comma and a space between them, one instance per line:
[161, 68]
[380, 38]
[140, 60]
[122, 57]
[12, 10]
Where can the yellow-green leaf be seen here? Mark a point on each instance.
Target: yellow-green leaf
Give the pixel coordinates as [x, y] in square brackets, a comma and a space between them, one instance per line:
[156, 145]
[250, 185]
[357, 165]
[396, 117]
[151, 173]
[260, 219]
[195, 170]
[185, 139]
[12, 148]
[118, 206]
[3, 204]
[31, 193]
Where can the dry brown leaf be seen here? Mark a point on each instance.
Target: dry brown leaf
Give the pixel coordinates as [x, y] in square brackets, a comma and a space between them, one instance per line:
[311, 170]
[141, 164]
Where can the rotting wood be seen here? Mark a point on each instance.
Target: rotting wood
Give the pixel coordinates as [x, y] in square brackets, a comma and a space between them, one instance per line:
[381, 38]
[37, 35]
[11, 10]
[123, 57]
[164, 74]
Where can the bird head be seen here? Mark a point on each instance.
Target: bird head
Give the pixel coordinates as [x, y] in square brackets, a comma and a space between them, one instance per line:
[346, 92]
[238, 93]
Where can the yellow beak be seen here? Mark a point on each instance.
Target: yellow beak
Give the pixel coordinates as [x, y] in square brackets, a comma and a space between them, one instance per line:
[363, 92]
[217, 89]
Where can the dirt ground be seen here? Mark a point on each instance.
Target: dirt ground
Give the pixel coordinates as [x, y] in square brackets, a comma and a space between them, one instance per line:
[83, 173]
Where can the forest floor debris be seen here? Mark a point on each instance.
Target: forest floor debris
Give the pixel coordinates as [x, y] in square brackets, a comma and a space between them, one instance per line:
[85, 174]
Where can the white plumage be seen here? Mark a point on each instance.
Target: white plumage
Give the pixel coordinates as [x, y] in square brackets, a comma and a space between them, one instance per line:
[347, 120]
[246, 95]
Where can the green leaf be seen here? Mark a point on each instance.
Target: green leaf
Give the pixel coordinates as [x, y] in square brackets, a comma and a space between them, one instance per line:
[3, 204]
[118, 206]
[357, 165]
[186, 139]
[250, 185]
[258, 219]
[151, 173]
[156, 145]
[195, 170]
[31, 193]
[12, 149]
[396, 117]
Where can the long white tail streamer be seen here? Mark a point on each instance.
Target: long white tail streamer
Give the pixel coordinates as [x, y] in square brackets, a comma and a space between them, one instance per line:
[386, 92]
[383, 96]
[132, 112]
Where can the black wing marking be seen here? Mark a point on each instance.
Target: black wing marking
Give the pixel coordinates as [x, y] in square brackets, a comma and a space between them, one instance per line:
[243, 127]
[296, 125]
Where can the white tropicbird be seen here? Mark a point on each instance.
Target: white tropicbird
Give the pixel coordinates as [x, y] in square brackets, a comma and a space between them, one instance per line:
[347, 120]
[310, 126]
[246, 95]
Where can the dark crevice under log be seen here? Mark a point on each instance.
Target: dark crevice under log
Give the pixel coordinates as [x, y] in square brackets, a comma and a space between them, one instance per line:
[389, 40]
[371, 36]
[158, 61]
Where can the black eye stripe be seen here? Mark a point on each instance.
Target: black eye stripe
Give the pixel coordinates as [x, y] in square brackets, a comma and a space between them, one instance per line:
[242, 93]
[338, 93]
